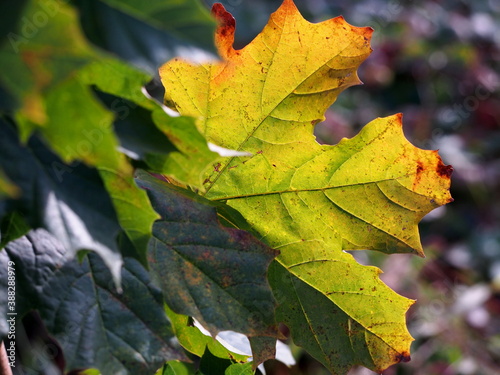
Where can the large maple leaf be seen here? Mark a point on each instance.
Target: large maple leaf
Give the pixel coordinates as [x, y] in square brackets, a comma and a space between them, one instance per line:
[310, 201]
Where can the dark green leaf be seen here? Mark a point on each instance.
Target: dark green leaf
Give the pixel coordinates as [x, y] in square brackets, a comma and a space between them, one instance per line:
[186, 19]
[118, 333]
[144, 36]
[217, 275]
[10, 13]
[212, 365]
[263, 348]
[68, 201]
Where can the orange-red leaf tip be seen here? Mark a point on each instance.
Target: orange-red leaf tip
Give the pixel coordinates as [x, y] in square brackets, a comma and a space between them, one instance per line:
[288, 4]
[223, 17]
[224, 35]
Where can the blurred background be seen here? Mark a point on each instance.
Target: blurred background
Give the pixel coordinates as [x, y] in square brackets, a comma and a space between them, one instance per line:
[437, 62]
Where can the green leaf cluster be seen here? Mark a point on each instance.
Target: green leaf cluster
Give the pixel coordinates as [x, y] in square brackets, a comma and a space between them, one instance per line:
[76, 122]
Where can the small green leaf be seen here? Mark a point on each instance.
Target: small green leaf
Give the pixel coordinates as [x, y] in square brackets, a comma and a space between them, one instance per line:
[194, 341]
[176, 368]
[90, 371]
[240, 369]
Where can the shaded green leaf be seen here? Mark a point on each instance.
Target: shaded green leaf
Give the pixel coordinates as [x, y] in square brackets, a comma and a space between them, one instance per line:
[131, 31]
[40, 54]
[168, 145]
[213, 365]
[133, 208]
[10, 13]
[217, 275]
[186, 19]
[90, 137]
[263, 348]
[67, 113]
[69, 201]
[117, 333]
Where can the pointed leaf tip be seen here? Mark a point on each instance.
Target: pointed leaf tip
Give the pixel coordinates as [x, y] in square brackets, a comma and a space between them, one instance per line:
[224, 35]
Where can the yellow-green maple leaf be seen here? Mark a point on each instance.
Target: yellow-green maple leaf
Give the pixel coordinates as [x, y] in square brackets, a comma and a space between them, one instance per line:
[307, 200]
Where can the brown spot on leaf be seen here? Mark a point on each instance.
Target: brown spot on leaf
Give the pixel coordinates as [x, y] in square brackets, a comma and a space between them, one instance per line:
[402, 357]
[420, 167]
[443, 170]
[217, 167]
[418, 173]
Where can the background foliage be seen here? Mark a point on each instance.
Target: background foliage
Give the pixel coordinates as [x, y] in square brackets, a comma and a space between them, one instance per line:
[438, 63]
